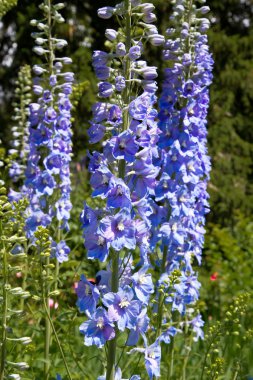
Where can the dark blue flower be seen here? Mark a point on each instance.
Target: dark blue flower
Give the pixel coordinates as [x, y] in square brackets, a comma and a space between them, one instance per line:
[88, 296]
[125, 147]
[97, 246]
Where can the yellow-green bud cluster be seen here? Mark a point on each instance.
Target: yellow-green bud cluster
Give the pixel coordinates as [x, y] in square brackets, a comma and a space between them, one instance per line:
[6, 5]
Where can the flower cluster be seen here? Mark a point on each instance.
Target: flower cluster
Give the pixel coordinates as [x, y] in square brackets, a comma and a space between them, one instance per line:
[151, 179]
[48, 172]
[184, 162]
[123, 176]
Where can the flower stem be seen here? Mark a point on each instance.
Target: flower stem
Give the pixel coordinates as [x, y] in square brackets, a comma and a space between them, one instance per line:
[111, 358]
[161, 296]
[4, 309]
[47, 326]
[49, 319]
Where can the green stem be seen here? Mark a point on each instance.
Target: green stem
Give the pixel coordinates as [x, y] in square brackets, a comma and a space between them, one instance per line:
[25, 273]
[161, 296]
[112, 345]
[47, 325]
[49, 319]
[50, 44]
[57, 266]
[172, 358]
[5, 308]
[186, 359]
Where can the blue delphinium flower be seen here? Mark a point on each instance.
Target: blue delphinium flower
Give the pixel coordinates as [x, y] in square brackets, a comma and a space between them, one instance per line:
[48, 174]
[152, 355]
[99, 329]
[122, 308]
[88, 296]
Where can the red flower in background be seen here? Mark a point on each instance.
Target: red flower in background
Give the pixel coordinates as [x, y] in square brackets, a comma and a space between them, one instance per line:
[214, 276]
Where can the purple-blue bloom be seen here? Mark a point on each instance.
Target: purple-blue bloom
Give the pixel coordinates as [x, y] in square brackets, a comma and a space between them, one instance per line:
[118, 230]
[122, 308]
[99, 329]
[60, 251]
[88, 296]
[143, 285]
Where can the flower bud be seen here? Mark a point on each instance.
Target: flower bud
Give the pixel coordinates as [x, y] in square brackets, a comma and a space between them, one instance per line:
[33, 22]
[111, 34]
[66, 60]
[68, 77]
[58, 18]
[120, 49]
[149, 18]
[61, 44]
[59, 6]
[105, 12]
[204, 10]
[42, 26]
[38, 70]
[156, 39]
[37, 89]
[135, 52]
[14, 376]
[40, 41]
[105, 89]
[147, 7]
[120, 83]
[39, 50]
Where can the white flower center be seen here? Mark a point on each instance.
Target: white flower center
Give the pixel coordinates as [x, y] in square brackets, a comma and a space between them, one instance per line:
[100, 323]
[122, 144]
[101, 240]
[119, 190]
[104, 179]
[151, 355]
[124, 303]
[174, 227]
[120, 226]
[165, 185]
[142, 279]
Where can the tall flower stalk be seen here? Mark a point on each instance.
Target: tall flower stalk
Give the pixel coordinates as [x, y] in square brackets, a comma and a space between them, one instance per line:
[123, 175]
[185, 165]
[20, 131]
[48, 168]
[12, 236]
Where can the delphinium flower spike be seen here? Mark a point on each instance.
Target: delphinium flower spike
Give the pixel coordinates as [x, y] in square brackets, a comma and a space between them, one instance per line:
[123, 176]
[48, 168]
[48, 172]
[184, 162]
